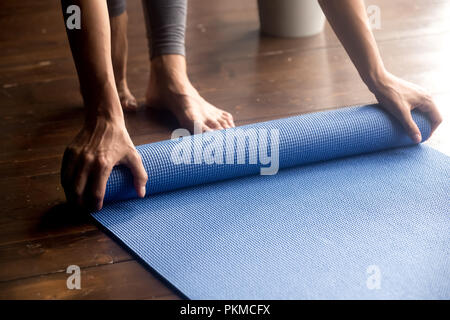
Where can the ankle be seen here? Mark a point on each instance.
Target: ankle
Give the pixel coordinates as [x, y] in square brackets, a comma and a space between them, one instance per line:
[169, 72]
[121, 83]
[169, 64]
[167, 87]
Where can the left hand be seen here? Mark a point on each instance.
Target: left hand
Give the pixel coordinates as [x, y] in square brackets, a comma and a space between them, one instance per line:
[399, 97]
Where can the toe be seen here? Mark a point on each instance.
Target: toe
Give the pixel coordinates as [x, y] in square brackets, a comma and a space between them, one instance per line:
[129, 104]
[132, 104]
[213, 124]
[224, 123]
[205, 128]
[228, 118]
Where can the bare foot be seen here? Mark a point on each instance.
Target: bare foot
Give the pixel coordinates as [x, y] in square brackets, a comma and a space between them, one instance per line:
[127, 100]
[169, 87]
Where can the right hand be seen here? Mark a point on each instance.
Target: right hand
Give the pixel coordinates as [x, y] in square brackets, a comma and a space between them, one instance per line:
[88, 160]
[400, 97]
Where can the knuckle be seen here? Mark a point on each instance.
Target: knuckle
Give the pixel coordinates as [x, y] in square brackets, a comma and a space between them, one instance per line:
[88, 157]
[428, 101]
[433, 103]
[427, 96]
[69, 153]
[102, 162]
[78, 192]
[404, 107]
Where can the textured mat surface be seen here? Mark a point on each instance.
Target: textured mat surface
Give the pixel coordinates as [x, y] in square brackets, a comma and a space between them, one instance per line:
[372, 221]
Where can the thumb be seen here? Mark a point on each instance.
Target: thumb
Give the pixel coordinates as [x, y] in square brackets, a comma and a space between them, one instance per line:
[410, 126]
[134, 162]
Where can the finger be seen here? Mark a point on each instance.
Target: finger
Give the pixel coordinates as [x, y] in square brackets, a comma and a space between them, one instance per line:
[433, 114]
[67, 167]
[97, 183]
[410, 126]
[134, 162]
[70, 177]
[81, 174]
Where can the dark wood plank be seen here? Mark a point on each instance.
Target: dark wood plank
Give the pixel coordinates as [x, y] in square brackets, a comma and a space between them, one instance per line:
[50, 255]
[126, 280]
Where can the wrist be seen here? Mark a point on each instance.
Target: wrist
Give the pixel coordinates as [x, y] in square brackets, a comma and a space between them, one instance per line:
[376, 80]
[100, 123]
[102, 102]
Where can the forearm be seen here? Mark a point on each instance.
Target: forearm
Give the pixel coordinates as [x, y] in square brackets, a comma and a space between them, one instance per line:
[349, 21]
[91, 50]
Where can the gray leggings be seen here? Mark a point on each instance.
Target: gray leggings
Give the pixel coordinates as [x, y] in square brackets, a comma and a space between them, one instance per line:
[165, 23]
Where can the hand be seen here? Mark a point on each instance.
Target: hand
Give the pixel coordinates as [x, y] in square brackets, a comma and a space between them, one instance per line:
[399, 97]
[89, 159]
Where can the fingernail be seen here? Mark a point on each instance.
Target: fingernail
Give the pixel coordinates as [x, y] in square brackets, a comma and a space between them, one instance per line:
[99, 206]
[142, 192]
[417, 138]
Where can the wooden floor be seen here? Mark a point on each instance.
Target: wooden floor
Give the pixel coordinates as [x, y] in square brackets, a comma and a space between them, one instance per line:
[255, 78]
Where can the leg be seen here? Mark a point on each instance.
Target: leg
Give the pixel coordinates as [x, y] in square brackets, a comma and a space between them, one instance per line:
[169, 86]
[119, 52]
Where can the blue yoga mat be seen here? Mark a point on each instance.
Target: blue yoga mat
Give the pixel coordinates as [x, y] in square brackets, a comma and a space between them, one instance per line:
[356, 211]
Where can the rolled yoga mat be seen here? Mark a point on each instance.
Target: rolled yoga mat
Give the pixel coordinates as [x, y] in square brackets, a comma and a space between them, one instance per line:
[356, 210]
